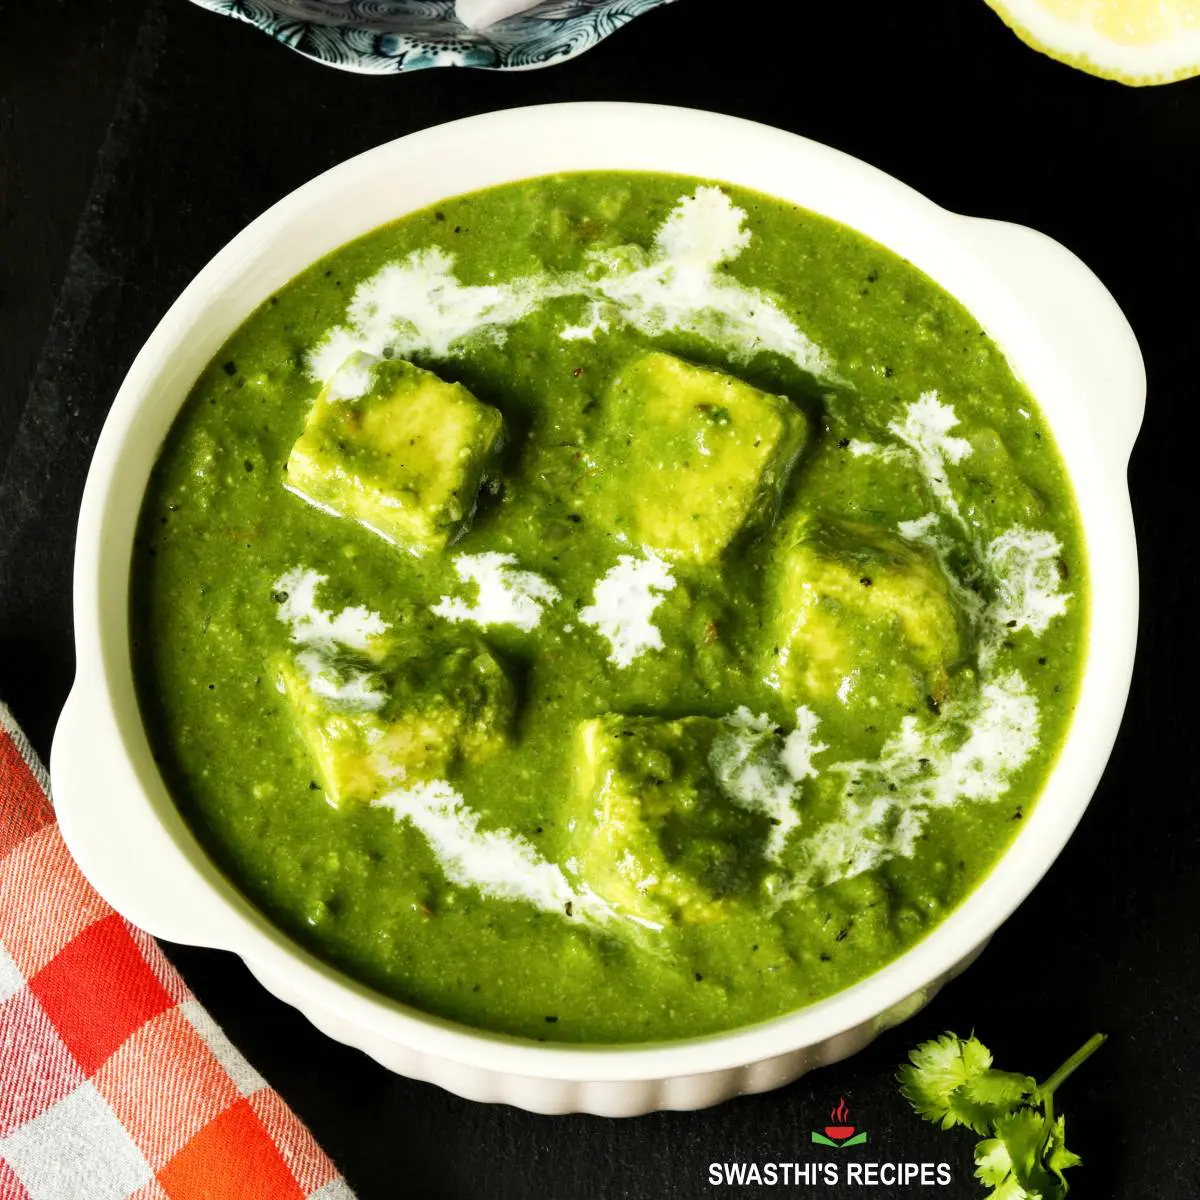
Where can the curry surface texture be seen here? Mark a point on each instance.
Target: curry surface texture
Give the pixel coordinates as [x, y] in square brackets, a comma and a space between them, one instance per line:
[743, 748]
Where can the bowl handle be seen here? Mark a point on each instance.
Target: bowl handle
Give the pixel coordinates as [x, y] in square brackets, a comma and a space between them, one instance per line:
[145, 865]
[1066, 300]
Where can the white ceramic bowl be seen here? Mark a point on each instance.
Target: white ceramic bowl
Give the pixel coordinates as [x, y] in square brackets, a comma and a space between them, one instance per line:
[1063, 335]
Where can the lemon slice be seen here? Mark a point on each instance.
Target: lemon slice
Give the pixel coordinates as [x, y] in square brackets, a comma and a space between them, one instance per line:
[1136, 41]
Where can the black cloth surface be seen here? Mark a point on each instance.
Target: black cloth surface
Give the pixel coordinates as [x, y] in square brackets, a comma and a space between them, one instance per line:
[136, 138]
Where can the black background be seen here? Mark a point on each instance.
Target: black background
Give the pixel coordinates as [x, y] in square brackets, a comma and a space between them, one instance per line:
[137, 136]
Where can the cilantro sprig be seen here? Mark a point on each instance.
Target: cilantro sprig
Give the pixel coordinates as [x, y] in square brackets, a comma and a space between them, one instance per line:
[1023, 1154]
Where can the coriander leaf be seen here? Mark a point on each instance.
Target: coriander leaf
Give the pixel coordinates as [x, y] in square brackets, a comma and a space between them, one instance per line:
[993, 1163]
[1057, 1157]
[1010, 1189]
[1026, 1158]
[986, 1097]
[1012, 1159]
[939, 1068]
[951, 1080]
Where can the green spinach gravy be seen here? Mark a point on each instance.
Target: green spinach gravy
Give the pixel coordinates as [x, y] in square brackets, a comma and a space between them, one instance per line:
[608, 607]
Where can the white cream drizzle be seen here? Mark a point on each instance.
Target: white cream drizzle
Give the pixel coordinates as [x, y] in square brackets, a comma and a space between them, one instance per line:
[352, 378]
[925, 430]
[311, 625]
[1025, 566]
[800, 746]
[418, 305]
[1020, 564]
[928, 532]
[861, 449]
[586, 331]
[498, 862]
[351, 688]
[321, 634]
[624, 601]
[758, 774]
[505, 595]
[886, 803]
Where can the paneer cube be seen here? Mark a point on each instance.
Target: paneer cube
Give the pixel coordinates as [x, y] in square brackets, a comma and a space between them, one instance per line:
[693, 455]
[370, 726]
[652, 832]
[405, 458]
[860, 615]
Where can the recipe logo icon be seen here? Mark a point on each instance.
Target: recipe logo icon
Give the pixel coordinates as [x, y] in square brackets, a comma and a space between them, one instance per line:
[833, 1171]
[839, 1133]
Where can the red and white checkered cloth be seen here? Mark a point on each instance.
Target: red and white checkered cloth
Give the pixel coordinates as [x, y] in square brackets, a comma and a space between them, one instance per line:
[115, 1084]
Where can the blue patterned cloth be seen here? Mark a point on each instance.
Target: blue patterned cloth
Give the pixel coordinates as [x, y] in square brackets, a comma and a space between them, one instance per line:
[383, 37]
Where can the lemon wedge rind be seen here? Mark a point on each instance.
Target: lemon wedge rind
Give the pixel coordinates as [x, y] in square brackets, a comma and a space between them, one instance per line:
[1136, 42]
